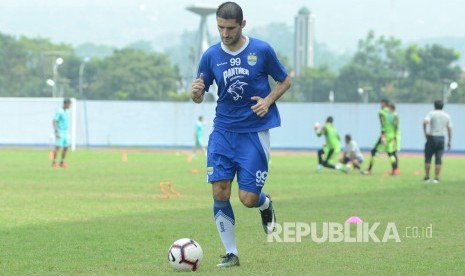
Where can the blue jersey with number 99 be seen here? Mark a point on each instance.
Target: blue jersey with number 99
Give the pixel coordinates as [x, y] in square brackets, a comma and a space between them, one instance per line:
[239, 76]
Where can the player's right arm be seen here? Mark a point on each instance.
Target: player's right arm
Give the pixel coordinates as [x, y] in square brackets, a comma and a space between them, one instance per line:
[425, 126]
[321, 131]
[396, 128]
[198, 89]
[381, 120]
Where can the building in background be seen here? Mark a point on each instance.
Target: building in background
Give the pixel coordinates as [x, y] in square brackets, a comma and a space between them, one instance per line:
[304, 39]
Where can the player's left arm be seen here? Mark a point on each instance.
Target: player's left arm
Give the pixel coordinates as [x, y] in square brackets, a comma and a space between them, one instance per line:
[263, 104]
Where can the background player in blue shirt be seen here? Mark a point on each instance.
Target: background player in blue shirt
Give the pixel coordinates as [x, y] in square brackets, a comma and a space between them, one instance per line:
[198, 136]
[60, 126]
[239, 143]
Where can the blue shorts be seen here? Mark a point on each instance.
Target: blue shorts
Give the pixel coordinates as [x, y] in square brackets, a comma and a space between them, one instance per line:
[244, 154]
[63, 140]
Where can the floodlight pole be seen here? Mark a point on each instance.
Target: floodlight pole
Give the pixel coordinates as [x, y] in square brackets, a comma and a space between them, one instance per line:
[203, 37]
[57, 62]
[363, 92]
[448, 87]
[81, 96]
[81, 73]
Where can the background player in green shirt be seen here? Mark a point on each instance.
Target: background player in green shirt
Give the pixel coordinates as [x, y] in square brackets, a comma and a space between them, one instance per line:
[330, 151]
[387, 141]
[392, 109]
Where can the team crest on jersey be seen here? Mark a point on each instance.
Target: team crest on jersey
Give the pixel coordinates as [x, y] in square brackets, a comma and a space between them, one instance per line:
[252, 59]
[236, 89]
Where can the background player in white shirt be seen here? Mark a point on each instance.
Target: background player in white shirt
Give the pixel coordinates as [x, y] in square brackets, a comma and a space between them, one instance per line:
[440, 124]
[352, 156]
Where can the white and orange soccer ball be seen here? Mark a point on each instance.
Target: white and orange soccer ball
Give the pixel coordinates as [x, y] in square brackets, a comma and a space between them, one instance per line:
[316, 125]
[185, 255]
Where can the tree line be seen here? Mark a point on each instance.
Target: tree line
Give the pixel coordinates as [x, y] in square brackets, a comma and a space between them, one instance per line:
[381, 67]
[384, 68]
[30, 68]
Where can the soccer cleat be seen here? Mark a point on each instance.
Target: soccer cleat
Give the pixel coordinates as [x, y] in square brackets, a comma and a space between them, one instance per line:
[426, 179]
[436, 180]
[55, 165]
[367, 172]
[396, 171]
[229, 260]
[344, 169]
[268, 218]
[63, 165]
[319, 168]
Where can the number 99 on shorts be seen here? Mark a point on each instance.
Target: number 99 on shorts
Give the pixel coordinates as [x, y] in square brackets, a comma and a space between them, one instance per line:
[261, 177]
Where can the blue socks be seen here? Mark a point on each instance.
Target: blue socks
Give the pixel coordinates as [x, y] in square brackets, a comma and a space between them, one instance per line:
[225, 223]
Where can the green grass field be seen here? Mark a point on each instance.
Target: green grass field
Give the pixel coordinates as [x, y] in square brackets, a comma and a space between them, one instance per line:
[103, 216]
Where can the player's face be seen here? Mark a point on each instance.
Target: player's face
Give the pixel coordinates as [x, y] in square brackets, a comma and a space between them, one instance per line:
[230, 31]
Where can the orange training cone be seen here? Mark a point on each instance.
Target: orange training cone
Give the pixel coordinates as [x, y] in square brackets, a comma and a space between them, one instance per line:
[124, 157]
[50, 155]
[189, 158]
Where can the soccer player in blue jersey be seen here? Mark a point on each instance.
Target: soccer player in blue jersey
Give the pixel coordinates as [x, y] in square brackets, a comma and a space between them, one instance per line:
[60, 126]
[239, 144]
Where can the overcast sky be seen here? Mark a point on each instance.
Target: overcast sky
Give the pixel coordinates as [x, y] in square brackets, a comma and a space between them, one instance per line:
[339, 23]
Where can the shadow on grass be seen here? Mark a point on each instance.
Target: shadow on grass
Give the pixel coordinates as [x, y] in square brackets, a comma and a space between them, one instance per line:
[132, 244]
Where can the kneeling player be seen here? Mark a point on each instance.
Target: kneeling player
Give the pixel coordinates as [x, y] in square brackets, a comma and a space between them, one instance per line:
[352, 156]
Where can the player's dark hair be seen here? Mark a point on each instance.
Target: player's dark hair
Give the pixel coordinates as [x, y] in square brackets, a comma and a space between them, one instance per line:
[385, 101]
[67, 100]
[348, 137]
[230, 10]
[438, 104]
[392, 106]
[329, 119]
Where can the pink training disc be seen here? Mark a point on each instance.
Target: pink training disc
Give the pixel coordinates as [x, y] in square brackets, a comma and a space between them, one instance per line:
[354, 220]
